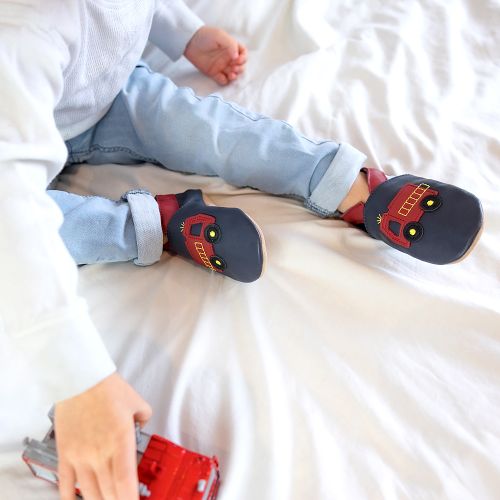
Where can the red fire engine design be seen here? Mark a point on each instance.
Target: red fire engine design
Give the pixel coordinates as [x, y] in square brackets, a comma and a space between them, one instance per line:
[166, 471]
[200, 232]
[401, 222]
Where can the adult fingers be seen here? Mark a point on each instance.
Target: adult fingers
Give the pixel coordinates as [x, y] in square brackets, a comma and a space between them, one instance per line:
[105, 480]
[124, 465]
[67, 481]
[143, 414]
[87, 483]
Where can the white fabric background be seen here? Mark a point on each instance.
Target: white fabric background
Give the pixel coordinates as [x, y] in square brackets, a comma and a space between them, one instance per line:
[348, 371]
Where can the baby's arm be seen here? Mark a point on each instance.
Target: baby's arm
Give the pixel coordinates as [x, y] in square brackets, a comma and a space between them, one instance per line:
[177, 30]
[174, 24]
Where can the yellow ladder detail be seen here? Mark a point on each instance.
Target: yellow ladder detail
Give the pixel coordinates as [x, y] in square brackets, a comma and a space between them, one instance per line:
[203, 255]
[412, 200]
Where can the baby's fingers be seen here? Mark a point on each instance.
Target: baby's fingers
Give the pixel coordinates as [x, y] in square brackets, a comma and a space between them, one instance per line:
[237, 69]
[242, 55]
[221, 78]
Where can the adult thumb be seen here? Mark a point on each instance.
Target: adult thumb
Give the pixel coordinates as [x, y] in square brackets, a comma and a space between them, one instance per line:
[143, 413]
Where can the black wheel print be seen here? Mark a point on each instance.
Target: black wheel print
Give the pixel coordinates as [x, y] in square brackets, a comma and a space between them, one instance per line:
[413, 231]
[213, 233]
[431, 203]
[218, 262]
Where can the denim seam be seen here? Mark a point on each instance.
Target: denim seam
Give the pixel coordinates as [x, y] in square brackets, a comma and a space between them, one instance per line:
[321, 212]
[70, 158]
[96, 147]
[260, 117]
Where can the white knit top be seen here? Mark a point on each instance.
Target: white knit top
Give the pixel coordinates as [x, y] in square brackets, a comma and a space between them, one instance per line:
[62, 62]
[112, 36]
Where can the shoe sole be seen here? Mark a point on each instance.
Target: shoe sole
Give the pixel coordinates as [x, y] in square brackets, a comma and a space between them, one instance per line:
[473, 245]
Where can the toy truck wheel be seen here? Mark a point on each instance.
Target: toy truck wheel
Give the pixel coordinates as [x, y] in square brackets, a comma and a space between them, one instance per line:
[430, 203]
[413, 231]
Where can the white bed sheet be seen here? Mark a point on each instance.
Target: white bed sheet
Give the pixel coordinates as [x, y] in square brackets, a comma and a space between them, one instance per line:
[348, 371]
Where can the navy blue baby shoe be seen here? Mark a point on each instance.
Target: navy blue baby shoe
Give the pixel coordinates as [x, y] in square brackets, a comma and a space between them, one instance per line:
[429, 220]
[224, 240]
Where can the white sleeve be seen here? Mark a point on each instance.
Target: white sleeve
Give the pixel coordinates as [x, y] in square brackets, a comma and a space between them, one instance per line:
[40, 311]
[174, 24]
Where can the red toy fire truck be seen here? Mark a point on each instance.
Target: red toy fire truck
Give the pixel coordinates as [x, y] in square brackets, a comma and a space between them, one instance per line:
[401, 222]
[166, 471]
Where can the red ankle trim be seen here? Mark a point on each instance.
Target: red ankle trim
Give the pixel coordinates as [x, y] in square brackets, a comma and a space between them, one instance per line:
[168, 205]
[374, 177]
[355, 214]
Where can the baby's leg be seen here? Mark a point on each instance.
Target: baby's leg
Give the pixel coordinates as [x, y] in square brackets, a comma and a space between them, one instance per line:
[96, 229]
[154, 120]
[139, 227]
[358, 193]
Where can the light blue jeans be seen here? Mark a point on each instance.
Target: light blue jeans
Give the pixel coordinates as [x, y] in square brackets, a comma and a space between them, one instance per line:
[153, 120]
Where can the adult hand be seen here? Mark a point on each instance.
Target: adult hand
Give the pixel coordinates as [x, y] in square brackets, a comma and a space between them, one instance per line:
[95, 435]
[216, 54]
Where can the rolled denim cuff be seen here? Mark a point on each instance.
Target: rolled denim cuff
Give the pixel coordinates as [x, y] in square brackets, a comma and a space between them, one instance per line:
[337, 181]
[147, 224]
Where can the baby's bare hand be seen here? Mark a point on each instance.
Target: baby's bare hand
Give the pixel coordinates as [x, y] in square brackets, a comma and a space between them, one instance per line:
[216, 54]
[96, 441]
